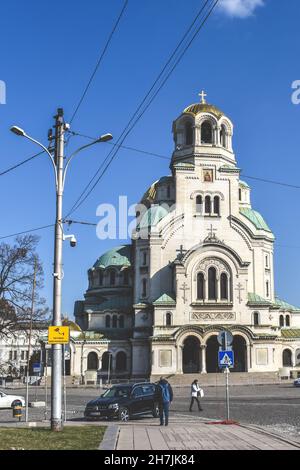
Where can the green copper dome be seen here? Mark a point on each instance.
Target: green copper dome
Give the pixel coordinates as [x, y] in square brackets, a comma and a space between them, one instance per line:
[152, 217]
[256, 219]
[119, 256]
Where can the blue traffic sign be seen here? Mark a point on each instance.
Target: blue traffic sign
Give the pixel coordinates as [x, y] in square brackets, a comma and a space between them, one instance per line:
[226, 359]
[36, 366]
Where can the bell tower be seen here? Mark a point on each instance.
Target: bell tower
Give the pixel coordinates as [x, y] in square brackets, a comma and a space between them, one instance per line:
[203, 130]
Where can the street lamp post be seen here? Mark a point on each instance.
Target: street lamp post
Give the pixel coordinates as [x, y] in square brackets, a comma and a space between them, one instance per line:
[60, 172]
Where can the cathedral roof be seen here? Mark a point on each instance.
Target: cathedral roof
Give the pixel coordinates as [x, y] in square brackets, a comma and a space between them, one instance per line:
[165, 299]
[281, 304]
[119, 256]
[115, 303]
[291, 333]
[284, 305]
[203, 108]
[243, 184]
[150, 194]
[152, 216]
[256, 218]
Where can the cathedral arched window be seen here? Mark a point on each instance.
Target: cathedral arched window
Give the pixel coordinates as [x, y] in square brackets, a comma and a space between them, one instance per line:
[212, 284]
[281, 320]
[101, 278]
[207, 205]
[121, 321]
[206, 133]
[121, 361]
[224, 286]
[240, 194]
[168, 192]
[287, 321]
[199, 204]
[200, 286]
[107, 321]
[189, 134]
[126, 277]
[256, 318]
[144, 288]
[287, 358]
[223, 136]
[168, 319]
[112, 278]
[217, 205]
[115, 321]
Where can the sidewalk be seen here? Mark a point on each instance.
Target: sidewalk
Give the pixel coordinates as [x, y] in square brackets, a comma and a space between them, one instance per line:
[182, 434]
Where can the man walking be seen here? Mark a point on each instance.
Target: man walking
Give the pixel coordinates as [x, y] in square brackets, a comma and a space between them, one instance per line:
[164, 396]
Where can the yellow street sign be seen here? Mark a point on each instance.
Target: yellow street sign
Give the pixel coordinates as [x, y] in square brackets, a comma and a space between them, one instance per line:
[58, 334]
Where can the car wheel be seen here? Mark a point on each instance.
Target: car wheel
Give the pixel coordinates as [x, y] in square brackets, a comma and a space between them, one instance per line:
[124, 414]
[155, 411]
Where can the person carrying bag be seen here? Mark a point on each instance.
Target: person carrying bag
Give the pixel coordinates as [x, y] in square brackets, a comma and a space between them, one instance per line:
[196, 393]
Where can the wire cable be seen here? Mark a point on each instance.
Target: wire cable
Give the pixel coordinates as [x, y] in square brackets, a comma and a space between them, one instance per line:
[136, 118]
[27, 231]
[100, 60]
[21, 163]
[164, 157]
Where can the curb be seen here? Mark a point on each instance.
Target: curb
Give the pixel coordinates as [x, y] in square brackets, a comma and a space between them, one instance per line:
[260, 430]
[109, 441]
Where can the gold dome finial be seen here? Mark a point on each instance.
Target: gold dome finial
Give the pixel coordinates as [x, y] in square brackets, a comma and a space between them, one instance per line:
[202, 96]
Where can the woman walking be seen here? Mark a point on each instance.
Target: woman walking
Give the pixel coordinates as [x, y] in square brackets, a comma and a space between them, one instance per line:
[195, 394]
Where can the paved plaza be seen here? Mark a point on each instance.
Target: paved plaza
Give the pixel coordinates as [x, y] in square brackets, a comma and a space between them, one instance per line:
[270, 408]
[184, 434]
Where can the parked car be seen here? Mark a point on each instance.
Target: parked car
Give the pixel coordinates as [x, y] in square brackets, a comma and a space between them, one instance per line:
[124, 402]
[6, 401]
[297, 382]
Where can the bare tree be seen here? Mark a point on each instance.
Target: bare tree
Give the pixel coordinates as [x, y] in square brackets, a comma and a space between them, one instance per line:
[17, 263]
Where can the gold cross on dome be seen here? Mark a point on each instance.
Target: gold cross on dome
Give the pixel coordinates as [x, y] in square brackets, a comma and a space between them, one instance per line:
[202, 96]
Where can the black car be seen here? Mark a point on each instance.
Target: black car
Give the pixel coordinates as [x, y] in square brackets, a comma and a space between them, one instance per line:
[124, 402]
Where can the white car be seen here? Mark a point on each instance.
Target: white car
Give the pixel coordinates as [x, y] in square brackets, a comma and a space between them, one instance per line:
[6, 401]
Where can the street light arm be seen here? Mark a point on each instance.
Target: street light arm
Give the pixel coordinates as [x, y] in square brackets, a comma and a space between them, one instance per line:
[47, 151]
[73, 155]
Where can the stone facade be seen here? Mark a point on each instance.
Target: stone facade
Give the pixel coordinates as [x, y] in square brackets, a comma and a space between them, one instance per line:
[201, 260]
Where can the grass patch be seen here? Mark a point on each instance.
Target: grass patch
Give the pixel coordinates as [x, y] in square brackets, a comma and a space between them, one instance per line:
[71, 438]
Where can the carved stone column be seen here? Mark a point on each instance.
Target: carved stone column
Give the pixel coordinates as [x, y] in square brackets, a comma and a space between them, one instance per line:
[203, 359]
[179, 359]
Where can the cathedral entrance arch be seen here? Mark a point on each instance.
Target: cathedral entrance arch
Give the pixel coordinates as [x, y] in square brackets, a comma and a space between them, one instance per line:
[212, 350]
[239, 347]
[191, 362]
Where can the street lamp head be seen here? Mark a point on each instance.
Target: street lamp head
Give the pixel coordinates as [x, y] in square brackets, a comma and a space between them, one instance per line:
[105, 138]
[18, 131]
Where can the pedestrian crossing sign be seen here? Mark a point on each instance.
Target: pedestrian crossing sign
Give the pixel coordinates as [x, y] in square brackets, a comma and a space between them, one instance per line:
[226, 359]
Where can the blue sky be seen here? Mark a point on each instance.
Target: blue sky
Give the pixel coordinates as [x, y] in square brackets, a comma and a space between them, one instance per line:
[246, 59]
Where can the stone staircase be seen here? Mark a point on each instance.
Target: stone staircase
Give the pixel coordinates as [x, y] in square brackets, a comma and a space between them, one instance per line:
[218, 379]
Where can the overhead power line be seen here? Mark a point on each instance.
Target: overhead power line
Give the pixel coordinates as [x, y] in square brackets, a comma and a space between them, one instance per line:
[139, 113]
[27, 231]
[164, 157]
[100, 60]
[20, 164]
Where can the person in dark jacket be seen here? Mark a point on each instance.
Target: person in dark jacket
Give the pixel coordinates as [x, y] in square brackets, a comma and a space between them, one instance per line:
[164, 396]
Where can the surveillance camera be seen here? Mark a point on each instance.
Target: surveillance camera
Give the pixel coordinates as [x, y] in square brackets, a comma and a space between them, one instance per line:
[73, 241]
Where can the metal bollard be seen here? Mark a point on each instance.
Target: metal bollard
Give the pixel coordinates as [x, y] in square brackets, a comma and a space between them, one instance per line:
[17, 409]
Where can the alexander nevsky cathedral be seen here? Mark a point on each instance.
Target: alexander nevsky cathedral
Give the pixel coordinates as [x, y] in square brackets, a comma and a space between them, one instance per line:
[200, 260]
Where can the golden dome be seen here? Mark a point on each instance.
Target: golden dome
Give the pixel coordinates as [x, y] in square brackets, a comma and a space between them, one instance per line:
[203, 108]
